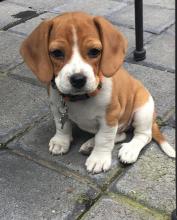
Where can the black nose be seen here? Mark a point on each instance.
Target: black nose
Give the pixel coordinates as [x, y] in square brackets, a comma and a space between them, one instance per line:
[78, 80]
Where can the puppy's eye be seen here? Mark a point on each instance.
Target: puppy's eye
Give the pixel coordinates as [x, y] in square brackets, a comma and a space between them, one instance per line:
[58, 54]
[94, 52]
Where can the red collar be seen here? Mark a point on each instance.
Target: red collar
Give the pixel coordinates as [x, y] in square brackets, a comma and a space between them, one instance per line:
[74, 98]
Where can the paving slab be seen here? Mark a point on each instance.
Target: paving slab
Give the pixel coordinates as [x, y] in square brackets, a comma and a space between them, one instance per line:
[170, 4]
[91, 6]
[10, 13]
[151, 180]
[35, 143]
[40, 4]
[160, 51]
[24, 73]
[162, 18]
[28, 26]
[172, 121]
[20, 106]
[171, 30]
[161, 85]
[125, 1]
[171, 118]
[30, 191]
[9, 47]
[118, 208]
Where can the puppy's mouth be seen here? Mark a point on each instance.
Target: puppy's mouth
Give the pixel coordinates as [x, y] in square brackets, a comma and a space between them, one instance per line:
[80, 94]
[76, 92]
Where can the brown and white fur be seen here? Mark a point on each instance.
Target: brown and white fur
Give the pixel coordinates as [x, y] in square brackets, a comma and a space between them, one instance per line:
[121, 101]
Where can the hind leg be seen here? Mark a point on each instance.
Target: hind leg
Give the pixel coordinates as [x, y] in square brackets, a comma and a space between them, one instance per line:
[120, 137]
[142, 123]
[88, 146]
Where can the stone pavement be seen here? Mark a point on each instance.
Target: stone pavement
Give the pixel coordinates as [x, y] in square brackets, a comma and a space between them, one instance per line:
[36, 185]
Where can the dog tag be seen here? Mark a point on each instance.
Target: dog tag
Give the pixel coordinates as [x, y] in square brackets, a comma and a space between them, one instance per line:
[63, 112]
[63, 119]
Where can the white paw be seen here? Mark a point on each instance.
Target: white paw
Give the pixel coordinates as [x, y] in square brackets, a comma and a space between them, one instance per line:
[128, 153]
[98, 161]
[87, 147]
[59, 145]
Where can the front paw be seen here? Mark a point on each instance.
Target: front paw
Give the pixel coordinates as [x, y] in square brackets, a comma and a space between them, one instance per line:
[98, 161]
[59, 145]
[128, 153]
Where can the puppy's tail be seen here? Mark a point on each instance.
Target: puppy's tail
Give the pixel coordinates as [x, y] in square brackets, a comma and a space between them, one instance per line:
[160, 139]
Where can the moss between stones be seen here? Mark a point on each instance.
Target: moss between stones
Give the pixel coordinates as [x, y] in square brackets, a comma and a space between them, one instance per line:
[84, 199]
[125, 200]
[113, 174]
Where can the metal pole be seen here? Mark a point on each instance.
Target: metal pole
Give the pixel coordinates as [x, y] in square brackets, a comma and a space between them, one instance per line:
[139, 52]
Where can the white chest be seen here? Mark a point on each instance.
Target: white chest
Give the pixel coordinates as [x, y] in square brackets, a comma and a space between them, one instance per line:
[86, 114]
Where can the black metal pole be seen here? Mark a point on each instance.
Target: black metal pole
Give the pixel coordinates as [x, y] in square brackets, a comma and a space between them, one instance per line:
[139, 52]
[173, 215]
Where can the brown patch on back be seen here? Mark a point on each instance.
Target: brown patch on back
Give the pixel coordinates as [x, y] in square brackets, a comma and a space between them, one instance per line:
[128, 94]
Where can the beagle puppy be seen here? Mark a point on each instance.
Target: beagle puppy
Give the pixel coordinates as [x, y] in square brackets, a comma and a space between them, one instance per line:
[80, 58]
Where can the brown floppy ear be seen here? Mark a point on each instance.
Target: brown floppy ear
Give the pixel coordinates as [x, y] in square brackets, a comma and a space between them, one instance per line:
[34, 51]
[114, 46]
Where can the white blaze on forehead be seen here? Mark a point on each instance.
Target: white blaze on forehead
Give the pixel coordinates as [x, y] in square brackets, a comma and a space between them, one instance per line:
[76, 59]
[75, 65]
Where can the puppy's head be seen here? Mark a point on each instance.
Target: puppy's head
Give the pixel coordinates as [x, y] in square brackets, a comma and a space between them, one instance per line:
[75, 48]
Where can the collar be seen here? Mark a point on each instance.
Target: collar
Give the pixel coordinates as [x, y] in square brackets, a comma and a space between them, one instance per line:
[75, 98]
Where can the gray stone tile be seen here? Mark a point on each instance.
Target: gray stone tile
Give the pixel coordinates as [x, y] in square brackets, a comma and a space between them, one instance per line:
[157, 82]
[21, 104]
[118, 208]
[151, 180]
[162, 18]
[171, 30]
[161, 3]
[171, 121]
[170, 4]
[36, 142]
[30, 191]
[40, 4]
[28, 26]
[23, 72]
[125, 1]
[9, 47]
[8, 13]
[91, 6]
[161, 51]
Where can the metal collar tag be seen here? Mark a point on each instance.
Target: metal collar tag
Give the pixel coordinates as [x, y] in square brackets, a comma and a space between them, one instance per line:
[63, 111]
